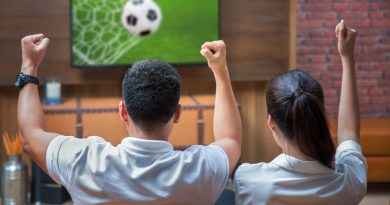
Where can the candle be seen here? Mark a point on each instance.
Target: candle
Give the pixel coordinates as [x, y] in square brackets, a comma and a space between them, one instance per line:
[53, 90]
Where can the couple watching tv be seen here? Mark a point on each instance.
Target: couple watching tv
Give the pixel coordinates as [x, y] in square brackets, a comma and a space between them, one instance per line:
[145, 169]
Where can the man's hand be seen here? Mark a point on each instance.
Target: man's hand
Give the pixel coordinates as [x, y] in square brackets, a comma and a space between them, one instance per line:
[215, 53]
[30, 114]
[346, 39]
[227, 121]
[34, 48]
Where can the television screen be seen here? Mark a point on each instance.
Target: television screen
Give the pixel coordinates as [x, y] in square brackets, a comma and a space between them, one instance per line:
[109, 33]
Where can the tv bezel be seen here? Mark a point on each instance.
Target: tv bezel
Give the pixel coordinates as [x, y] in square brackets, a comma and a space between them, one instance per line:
[101, 66]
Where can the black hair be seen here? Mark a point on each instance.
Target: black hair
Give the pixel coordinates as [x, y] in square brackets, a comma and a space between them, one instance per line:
[151, 92]
[295, 102]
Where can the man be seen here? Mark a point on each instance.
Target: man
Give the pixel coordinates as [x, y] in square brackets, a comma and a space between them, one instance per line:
[144, 168]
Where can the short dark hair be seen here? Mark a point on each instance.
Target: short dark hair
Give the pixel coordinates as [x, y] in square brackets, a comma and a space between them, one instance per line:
[151, 92]
[295, 102]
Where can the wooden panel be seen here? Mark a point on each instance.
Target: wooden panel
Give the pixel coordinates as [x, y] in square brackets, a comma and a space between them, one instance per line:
[105, 125]
[293, 34]
[208, 116]
[256, 32]
[374, 135]
[378, 169]
[185, 132]
[258, 143]
[62, 124]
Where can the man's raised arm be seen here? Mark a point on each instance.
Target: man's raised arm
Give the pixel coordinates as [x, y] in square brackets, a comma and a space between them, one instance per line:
[30, 114]
[349, 119]
[227, 120]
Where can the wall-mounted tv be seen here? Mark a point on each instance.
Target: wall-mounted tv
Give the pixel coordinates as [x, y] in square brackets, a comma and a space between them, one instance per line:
[117, 33]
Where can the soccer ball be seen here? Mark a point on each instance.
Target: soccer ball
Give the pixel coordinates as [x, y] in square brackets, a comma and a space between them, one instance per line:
[141, 17]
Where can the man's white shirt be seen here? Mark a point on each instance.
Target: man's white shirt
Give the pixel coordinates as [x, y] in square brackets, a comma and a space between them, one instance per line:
[93, 171]
[288, 180]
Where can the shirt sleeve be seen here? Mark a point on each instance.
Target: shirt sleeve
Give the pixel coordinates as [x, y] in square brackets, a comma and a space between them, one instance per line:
[218, 163]
[61, 157]
[351, 162]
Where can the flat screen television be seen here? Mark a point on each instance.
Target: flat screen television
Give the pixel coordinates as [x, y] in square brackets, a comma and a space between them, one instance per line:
[117, 33]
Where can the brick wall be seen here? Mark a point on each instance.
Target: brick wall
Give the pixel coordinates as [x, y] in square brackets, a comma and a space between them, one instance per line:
[317, 49]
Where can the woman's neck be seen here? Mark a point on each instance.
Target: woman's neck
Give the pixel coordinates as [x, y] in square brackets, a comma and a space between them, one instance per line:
[293, 150]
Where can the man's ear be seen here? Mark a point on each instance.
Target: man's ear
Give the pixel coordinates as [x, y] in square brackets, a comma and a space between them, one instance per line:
[177, 115]
[123, 112]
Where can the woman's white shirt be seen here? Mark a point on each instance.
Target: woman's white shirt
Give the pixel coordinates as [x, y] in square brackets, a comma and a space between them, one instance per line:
[288, 180]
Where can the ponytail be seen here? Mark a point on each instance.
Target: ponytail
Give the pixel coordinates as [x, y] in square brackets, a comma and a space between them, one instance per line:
[310, 128]
[295, 102]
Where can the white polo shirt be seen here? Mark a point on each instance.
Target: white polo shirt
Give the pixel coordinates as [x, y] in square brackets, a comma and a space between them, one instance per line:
[287, 180]
[137, 170]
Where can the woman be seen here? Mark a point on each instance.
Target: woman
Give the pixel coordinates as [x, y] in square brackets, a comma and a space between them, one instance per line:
[306, 172]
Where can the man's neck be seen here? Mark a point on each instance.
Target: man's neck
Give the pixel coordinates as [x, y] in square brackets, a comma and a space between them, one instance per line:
[156, 135]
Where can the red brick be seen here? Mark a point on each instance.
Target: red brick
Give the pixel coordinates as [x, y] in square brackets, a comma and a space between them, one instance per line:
[331, 111]
[326, 84]
[332, 100]
[314, 50]
[360, 6]
[380, 6]
[371, 31]
[372, 57]
[318, 59]
[301, 16]
[376, 91]
[315, 6]
[309, 24]
[376, 49]
[372, 65]
[375, 14]
[385, 83]
[371, 109]
[368, 40]
[341, 6]
[386, 15]
[317, 42]
[354, 15]
[321, 15]
[366, 82]
[336, 84]
[329, 33]
[369, 74]
[360, 23]
[330, 92]
[331, 75]
[381, 23]
[364, 100]
[362, 91]
[385, 40]
[381, 100]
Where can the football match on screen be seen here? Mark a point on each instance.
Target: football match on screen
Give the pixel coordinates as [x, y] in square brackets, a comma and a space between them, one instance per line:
[121, 32]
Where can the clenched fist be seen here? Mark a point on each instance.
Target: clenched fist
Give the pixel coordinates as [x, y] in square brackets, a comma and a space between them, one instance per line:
[346, 39]
[34, 48]
[215, 53]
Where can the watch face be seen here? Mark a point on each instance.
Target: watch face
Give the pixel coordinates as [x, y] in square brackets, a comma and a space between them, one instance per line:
[20, 78]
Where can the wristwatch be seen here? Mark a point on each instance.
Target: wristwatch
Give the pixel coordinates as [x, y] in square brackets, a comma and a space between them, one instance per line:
[22, 79]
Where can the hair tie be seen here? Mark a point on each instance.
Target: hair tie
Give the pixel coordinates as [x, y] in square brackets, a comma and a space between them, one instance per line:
[298, 92]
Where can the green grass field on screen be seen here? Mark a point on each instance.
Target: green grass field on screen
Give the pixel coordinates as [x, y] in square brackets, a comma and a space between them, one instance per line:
[99, 38]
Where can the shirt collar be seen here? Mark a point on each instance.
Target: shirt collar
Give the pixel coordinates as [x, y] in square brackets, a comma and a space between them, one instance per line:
[296, 165]
[147, 146]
